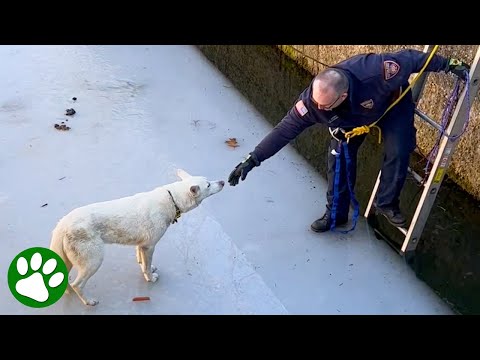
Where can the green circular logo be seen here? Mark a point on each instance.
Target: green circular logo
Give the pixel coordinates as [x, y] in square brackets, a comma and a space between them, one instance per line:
[37, 277]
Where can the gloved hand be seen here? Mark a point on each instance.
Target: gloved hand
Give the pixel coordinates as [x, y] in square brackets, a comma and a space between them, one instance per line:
[458, 68]
[242, 169]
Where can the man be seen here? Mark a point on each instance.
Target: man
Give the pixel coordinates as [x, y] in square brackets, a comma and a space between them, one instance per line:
[350, 94]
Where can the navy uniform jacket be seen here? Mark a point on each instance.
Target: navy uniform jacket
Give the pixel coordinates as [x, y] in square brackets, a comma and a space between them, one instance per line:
[375, 81]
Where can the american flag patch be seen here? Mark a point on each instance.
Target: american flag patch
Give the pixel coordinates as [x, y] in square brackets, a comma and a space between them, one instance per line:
[300, 106]
[390, 68]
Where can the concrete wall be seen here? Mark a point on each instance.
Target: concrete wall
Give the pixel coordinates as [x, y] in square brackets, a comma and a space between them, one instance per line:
[465, 164]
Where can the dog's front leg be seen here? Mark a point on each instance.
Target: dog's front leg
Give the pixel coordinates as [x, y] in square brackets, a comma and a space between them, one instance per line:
[139, 255]
[146, 254]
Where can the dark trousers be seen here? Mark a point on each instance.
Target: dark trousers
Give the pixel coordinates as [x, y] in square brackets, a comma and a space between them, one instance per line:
[399, 141]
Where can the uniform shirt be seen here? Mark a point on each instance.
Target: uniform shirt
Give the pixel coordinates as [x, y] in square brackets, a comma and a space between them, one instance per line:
[375, 81]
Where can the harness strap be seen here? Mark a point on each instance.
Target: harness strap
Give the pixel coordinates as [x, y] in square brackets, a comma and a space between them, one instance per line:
[337, 153]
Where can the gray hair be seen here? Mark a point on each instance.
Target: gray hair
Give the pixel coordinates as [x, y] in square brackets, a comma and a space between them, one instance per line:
[333, 78]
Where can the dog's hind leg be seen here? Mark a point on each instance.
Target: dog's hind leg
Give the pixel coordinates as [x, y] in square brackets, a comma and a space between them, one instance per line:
[146, 254]
[87, 260]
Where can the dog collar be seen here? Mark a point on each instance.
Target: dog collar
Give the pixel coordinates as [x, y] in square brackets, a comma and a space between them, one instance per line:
[177, 209]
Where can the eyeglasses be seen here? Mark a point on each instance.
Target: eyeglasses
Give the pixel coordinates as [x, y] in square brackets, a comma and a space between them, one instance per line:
[326, 107]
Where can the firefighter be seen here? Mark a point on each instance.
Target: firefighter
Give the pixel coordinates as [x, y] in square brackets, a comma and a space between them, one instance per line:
[352, 93]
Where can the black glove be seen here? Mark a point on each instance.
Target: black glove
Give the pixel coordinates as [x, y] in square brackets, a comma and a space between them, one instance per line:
[242, 169]
[458, 68]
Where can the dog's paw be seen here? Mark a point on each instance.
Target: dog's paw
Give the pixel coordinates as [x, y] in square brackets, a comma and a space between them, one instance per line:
[85, 300]
[34, 286]
[151, 277]
[91, 302]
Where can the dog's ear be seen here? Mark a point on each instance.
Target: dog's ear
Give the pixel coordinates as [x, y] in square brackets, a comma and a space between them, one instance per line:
[182, 174]
[195, 190]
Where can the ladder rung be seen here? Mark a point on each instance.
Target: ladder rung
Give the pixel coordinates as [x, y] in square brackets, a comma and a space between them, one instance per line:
[402, 230]
[415, 175]
[425, 117]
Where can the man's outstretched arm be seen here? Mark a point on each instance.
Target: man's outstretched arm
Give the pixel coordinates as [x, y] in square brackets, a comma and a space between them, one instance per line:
[286, 130]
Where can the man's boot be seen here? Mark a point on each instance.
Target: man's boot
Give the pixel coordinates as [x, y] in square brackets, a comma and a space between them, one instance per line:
[394, 216]
[323, 224]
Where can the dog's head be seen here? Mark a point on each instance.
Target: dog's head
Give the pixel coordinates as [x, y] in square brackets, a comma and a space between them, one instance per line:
[197, 188]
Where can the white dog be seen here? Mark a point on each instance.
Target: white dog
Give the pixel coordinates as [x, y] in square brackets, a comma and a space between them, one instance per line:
[139, 220]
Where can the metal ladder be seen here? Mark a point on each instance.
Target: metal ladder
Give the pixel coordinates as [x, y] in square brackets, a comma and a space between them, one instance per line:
[440, 165]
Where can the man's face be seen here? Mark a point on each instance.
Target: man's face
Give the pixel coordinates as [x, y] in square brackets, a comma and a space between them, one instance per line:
[326, 98]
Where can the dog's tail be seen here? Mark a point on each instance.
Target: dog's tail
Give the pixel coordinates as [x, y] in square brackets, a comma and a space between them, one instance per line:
[56, 244]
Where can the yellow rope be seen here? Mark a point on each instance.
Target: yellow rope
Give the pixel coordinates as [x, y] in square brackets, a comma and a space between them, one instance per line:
[365, 129]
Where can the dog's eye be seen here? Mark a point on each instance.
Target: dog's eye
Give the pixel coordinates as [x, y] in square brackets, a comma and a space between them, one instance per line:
[208, 185]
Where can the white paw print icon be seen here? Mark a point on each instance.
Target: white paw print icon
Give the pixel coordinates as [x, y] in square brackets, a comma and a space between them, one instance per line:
[34, 286]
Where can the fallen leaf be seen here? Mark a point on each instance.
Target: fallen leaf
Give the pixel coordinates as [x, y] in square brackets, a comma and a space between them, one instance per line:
[232, 142]
[44, 205]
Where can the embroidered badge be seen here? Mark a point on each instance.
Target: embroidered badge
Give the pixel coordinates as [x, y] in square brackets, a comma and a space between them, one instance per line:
[368, 104]
[300, 106]
[390, 69]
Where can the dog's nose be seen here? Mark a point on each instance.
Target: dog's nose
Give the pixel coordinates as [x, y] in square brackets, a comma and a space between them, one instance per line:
[222, 182]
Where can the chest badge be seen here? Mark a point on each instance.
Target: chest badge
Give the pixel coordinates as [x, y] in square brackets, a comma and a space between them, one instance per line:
[368, 104]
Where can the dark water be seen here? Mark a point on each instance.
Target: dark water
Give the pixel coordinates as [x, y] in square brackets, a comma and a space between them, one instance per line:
[447, 257]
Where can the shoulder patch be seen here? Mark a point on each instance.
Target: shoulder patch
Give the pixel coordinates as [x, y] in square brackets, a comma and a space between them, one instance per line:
[390, 69]
[301, 108]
